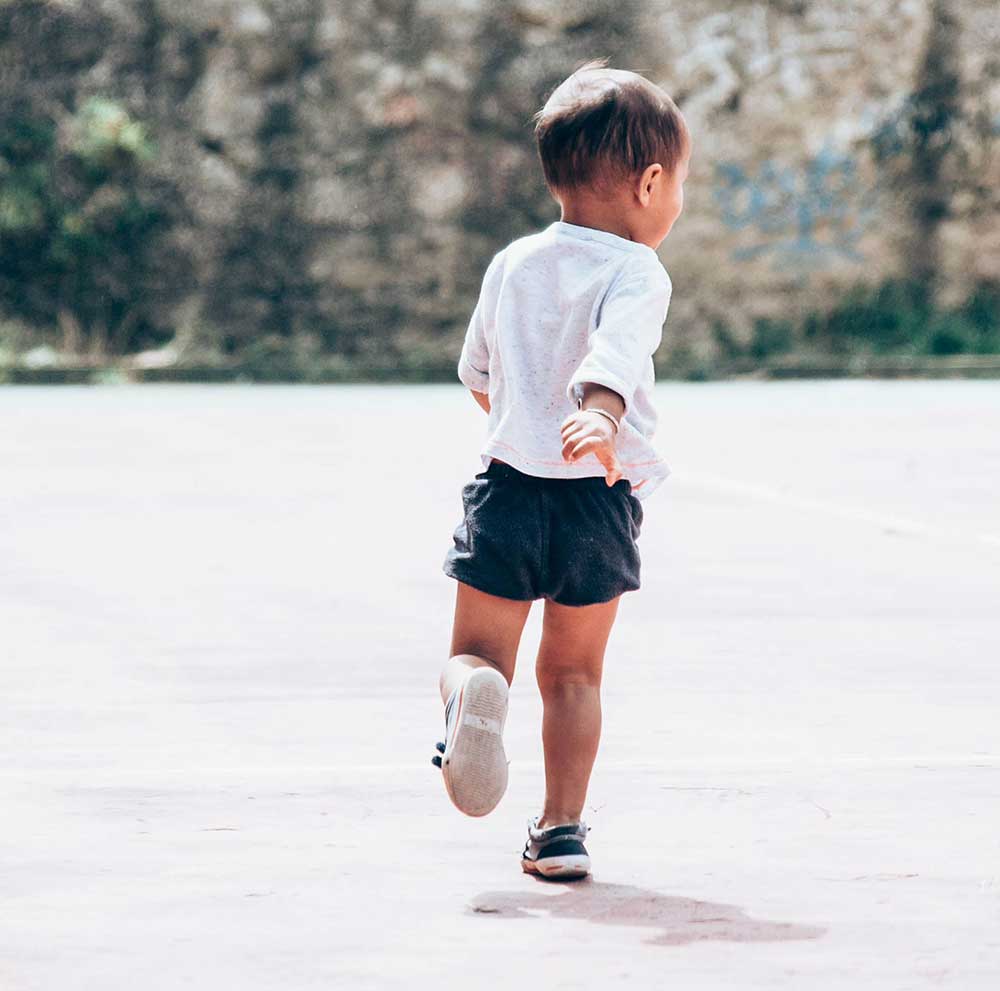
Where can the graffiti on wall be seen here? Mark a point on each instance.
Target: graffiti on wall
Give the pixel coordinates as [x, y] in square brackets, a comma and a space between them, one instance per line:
[802, 216]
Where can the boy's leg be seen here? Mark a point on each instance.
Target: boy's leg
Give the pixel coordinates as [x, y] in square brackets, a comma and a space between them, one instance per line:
[569, 668]
[484, 644]
[486, 632]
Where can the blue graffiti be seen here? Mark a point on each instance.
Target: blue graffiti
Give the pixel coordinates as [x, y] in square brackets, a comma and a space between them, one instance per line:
[805, 214]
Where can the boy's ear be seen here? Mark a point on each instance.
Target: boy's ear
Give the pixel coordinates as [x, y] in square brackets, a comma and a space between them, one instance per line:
[647, 181]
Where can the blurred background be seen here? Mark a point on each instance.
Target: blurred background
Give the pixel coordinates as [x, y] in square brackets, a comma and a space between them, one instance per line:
[311, 189]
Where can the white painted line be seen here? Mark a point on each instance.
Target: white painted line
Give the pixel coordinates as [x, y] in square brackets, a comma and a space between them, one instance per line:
[883, 521]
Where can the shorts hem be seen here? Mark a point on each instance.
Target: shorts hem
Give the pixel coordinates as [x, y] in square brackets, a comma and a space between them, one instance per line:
[592, 602]
[477, 584]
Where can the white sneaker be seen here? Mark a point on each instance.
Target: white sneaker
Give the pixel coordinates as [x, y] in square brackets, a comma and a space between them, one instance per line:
[472, 758]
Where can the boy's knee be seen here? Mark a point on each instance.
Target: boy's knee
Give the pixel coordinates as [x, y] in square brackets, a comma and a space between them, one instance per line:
[561, 679]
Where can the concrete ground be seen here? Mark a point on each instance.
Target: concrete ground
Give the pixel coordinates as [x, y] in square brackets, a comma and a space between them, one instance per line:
[222, 617]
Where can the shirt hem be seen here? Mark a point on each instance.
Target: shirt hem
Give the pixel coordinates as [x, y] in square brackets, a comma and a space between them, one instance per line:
[643, 482]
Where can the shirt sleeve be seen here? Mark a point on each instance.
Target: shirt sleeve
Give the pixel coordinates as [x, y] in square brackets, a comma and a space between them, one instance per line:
[628, 332]
[474, 361]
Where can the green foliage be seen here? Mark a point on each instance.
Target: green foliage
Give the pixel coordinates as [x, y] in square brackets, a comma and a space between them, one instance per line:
[15, 337]
[272, 358]
[881, 318]
[900, 317]
[896, 317]
[724, 339]
[771, 337]
[83, 219]
[105, 136]
[25, 174]
[981, 314]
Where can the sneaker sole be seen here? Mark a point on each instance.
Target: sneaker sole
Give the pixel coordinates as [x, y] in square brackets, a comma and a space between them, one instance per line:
[576, 865]
[474, 764]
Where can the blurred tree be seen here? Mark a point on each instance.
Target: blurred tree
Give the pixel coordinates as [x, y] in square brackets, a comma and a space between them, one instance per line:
[85, 210]
[917, 145]
[81, 219]
[262, 287]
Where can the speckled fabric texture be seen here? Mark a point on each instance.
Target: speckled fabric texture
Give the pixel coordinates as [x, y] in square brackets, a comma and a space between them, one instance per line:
[572, 540]
[558, 308]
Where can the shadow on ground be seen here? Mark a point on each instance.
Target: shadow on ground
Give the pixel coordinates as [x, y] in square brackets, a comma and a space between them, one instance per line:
[681, 920]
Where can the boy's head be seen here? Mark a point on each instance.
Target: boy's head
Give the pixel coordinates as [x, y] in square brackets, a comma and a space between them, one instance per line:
[610, 136]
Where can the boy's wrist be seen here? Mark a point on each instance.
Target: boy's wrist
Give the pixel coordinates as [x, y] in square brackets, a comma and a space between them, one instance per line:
[602, 412]
[591, 395]
[596, 398]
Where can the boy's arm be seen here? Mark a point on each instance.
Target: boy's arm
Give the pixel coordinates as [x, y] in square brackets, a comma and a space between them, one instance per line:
[629, 330]
[474, 362]
[583, 435]
[482, 398]
[601, 397]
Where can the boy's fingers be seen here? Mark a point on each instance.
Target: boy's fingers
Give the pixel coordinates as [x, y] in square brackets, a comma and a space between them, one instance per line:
[576, 419]
[586, 445]
[611, 464]
[609, 459]
[597, 441]
[581, 433]
[570, 441]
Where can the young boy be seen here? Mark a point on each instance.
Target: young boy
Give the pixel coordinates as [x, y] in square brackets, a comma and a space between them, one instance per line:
[559, 354]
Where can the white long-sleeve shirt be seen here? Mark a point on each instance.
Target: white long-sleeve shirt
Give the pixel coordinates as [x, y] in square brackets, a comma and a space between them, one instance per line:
[558, 308]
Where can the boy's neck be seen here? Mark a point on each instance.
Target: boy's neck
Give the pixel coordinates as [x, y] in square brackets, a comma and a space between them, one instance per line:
[599, 223]
[601, 215]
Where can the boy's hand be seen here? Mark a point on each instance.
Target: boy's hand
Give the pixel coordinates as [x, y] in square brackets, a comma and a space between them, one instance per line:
[585, 432]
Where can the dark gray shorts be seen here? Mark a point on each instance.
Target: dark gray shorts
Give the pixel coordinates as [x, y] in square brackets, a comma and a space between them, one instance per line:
[572, 540]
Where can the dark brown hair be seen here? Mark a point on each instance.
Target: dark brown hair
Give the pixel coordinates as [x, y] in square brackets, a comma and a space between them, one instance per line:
[601, 126]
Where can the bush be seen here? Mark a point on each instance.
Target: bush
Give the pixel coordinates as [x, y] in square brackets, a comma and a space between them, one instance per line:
[982, 313]
[899, 317]
[84, 221]
[883, 318]
[771, 337]
[896, 317]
